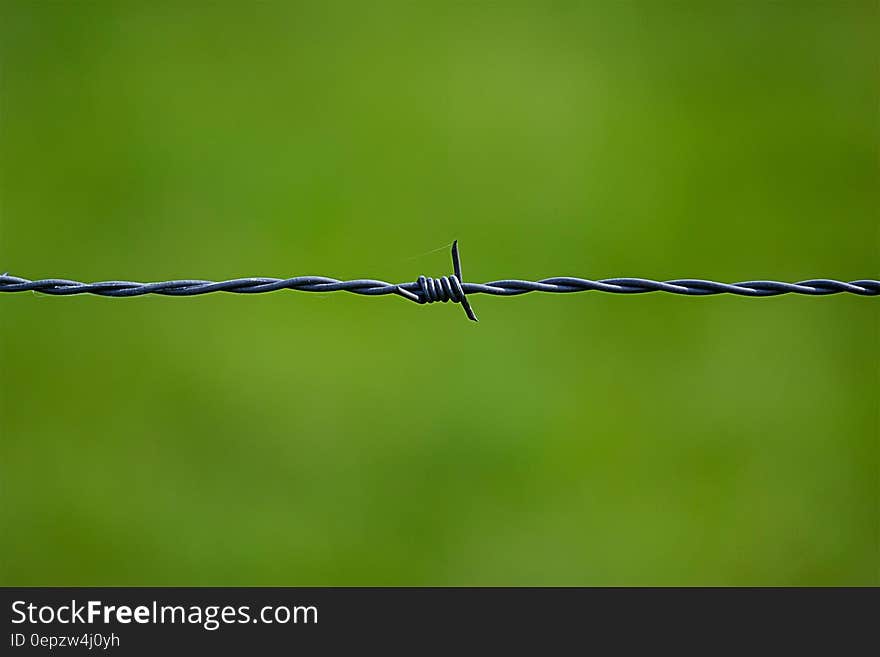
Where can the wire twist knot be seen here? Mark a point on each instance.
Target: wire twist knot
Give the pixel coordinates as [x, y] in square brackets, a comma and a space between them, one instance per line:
[444, 288]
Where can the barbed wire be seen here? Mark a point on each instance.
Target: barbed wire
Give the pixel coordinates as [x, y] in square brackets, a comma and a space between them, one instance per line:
[442, 289]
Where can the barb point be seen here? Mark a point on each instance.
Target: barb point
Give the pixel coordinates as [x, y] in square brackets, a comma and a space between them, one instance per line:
[456, 267]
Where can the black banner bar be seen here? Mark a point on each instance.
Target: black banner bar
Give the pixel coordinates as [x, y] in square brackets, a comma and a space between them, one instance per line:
[133, 621]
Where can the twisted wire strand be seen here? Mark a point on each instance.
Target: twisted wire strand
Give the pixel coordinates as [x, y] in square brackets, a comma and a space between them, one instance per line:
[442, 289]
[371, 287]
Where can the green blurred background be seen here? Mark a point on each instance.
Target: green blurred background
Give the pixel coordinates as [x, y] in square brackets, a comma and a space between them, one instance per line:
[303, 439]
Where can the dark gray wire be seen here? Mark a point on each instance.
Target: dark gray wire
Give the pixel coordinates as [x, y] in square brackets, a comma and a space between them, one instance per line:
[444, 289]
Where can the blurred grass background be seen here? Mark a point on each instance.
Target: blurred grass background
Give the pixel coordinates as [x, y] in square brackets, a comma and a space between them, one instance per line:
[295, 439]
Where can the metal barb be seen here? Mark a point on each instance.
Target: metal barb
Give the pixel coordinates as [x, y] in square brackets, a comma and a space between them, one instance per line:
[456, 267]
[443, 289]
